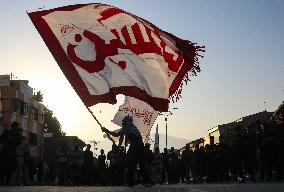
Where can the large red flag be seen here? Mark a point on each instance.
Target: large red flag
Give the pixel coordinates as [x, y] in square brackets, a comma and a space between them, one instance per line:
[104, 51]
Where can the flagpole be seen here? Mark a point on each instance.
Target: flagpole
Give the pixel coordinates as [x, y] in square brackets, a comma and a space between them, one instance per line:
[94, 117]
[108, 136]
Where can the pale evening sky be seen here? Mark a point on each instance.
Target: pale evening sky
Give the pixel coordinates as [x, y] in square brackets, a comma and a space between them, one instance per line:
[243, 65]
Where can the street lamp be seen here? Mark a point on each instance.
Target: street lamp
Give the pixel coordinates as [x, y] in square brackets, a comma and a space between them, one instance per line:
[166, 120]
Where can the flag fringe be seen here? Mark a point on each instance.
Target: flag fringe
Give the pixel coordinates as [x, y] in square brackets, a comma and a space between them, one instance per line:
[194, 52]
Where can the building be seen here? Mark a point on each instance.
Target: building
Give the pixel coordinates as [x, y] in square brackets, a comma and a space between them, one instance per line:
[226, 131]
[53, 144]
[17, 104]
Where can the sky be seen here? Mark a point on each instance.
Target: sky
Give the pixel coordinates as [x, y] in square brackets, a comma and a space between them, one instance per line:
[242, 71]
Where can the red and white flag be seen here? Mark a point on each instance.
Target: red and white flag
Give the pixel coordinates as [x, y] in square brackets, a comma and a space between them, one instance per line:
[143, 115]
[104, 51]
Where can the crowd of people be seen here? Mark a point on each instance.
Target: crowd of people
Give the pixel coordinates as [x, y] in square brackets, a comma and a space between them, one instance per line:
[249, 155]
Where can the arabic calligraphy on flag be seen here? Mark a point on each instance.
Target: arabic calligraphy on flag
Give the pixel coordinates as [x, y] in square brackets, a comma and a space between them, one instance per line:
[143, 115]
[104, 51]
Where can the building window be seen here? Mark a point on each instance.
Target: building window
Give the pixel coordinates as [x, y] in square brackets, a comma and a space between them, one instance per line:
[24, 108]
[20, 106]
[34, 114]
[16, 105]
[32, 139]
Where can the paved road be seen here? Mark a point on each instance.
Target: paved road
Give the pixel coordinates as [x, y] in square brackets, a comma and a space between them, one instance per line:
[261, 187]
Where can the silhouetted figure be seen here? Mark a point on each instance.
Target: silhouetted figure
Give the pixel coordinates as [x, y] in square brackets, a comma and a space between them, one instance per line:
[102, 159]
[198, 164]
[238, 153]
[121, 165]
[39, 170]
[181, 170]
[135, 152]
[268, 157]
[173, 166]
[88, 165]
[223, 160]
[186, 157]
[10, 139]
[102, 168]
[249, 153]
[114, 167]
[62, 165]
[76, 159]
[210, 164]
[148, 159]
[166, 165]
[20, 153]
[157, 166]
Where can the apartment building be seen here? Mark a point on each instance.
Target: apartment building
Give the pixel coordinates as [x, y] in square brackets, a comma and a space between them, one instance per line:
[17, 103]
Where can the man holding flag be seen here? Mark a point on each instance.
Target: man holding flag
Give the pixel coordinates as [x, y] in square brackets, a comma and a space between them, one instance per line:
[135, 154]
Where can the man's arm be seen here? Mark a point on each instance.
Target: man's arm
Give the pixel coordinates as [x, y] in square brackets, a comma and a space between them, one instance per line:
[112, 133]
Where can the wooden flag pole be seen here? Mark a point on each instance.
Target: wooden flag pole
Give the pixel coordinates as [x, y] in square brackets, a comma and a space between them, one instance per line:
[108, 136]
[94, 117]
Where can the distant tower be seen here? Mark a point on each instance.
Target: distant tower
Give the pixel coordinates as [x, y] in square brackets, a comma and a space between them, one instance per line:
[156, 144]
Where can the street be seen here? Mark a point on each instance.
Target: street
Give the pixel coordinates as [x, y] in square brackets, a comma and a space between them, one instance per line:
[249, 187]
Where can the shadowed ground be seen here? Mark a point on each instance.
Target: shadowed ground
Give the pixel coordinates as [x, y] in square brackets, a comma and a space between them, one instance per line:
[263, 187]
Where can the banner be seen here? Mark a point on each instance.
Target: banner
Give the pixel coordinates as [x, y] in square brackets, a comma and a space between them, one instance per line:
[104, 51]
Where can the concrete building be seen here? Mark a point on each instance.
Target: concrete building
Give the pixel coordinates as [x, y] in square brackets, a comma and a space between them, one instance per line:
[17, 104]
[227, 130]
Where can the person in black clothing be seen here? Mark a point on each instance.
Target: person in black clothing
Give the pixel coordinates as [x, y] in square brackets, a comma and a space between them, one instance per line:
[88, 165]
[148, 159]
[75, 158]
[238, 149]
[157, 166]
[250, 153]
[186, 158]
[10, 139]
[121, 165]
[166, 165]
[198, 164]
[102, 159]
[181, 170]
[223, 160]
[114, 166]
[135, 153]
[102, 168]
[173, 167]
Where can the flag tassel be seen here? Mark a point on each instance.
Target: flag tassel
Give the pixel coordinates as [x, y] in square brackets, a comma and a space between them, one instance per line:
[192, 72]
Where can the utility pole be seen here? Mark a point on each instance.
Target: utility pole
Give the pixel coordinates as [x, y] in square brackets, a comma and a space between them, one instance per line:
[166, 120]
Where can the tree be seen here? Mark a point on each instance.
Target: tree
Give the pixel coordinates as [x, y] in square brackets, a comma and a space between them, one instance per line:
[51, 124]
[38, 96]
